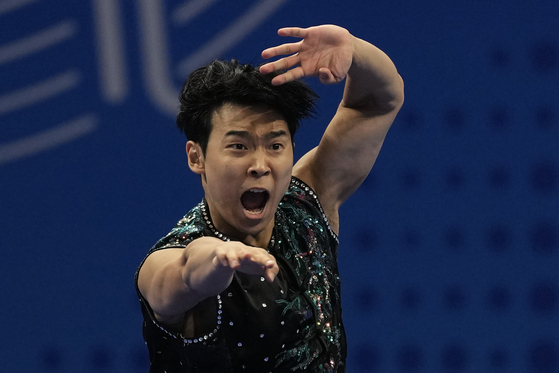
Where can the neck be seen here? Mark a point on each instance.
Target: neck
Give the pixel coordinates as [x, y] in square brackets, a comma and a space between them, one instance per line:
[261, 239]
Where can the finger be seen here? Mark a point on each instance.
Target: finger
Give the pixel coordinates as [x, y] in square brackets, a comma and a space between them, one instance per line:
[270, 276]
[271, 273]
[220, 259]
[289, 76]
[297, 32]
[283, 49]
[281, 64]
[233, 257]
[261, 258]
[246, 258]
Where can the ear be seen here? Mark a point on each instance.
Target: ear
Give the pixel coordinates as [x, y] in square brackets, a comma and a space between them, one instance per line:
[195, 157]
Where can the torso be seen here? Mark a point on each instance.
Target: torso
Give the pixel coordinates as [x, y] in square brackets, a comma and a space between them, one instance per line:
[293, 323]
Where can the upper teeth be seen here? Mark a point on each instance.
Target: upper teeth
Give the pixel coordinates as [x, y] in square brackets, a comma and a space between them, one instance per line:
[256, 190]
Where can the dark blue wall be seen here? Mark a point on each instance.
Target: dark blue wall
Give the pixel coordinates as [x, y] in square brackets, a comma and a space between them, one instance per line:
[449, 251]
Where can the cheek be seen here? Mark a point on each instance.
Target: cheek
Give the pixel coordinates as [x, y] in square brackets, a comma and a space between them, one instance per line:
[285, 171]
[222, 165]
[287, 164]
[225, 174]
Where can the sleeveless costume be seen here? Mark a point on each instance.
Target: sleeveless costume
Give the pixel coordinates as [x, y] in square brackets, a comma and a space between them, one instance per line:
[293, 324]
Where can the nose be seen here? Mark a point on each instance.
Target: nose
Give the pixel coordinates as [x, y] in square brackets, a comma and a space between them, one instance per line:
[259, 166]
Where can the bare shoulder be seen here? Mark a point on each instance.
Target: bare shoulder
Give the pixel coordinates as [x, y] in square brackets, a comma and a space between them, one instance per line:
[307, 169]
[153, 263]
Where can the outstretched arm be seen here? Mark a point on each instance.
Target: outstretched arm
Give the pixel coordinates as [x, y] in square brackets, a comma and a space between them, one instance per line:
[372, 97]
[174, 280]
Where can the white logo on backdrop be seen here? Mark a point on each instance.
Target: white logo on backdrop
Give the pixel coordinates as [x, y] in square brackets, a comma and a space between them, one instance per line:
[26, 97]
[157, 70]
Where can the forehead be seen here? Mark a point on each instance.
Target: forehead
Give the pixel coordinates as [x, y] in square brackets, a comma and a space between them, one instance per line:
[258, 119]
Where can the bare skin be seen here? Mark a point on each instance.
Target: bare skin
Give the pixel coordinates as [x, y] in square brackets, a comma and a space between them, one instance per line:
[258, 155]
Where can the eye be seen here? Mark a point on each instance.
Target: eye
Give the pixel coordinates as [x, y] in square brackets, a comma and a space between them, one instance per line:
[277, 146]
[237, 146]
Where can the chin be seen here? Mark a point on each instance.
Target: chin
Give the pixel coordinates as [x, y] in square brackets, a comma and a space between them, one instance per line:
[254, 223]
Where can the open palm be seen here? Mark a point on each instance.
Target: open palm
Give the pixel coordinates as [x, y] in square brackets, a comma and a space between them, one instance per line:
[324, 51]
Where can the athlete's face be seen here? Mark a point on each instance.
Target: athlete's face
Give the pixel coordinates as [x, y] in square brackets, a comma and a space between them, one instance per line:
[246, 169]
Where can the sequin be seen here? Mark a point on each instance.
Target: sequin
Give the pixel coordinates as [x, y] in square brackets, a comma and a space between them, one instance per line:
[304, 238]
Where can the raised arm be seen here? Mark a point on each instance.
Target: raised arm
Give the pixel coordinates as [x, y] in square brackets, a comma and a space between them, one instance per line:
[372, 97]
[173, 281]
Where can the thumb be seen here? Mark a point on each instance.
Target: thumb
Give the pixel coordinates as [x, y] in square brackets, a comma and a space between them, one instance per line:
[326, 76]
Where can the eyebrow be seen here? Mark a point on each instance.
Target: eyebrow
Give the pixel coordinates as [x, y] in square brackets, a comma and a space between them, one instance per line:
[247, 134]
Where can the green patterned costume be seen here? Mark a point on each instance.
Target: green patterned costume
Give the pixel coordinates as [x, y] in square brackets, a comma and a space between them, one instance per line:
[293, 324]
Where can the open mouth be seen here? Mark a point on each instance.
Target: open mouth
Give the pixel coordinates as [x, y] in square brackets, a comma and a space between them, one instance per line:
[254, 200]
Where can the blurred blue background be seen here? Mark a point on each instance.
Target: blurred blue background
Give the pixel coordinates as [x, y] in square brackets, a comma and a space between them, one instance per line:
[449, 251]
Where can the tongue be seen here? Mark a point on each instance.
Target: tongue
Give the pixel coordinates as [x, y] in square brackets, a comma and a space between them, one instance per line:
[254, 201]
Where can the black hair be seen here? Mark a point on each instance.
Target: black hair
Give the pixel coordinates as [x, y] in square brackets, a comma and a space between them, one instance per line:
[208, 88]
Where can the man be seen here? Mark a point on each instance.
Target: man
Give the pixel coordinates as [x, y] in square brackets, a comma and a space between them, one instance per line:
[247, 281]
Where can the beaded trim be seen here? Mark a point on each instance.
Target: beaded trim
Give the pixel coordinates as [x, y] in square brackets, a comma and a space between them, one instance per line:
[209, 222]
[201, 339]
[217, 233]
[294, 180]
[308, 189]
